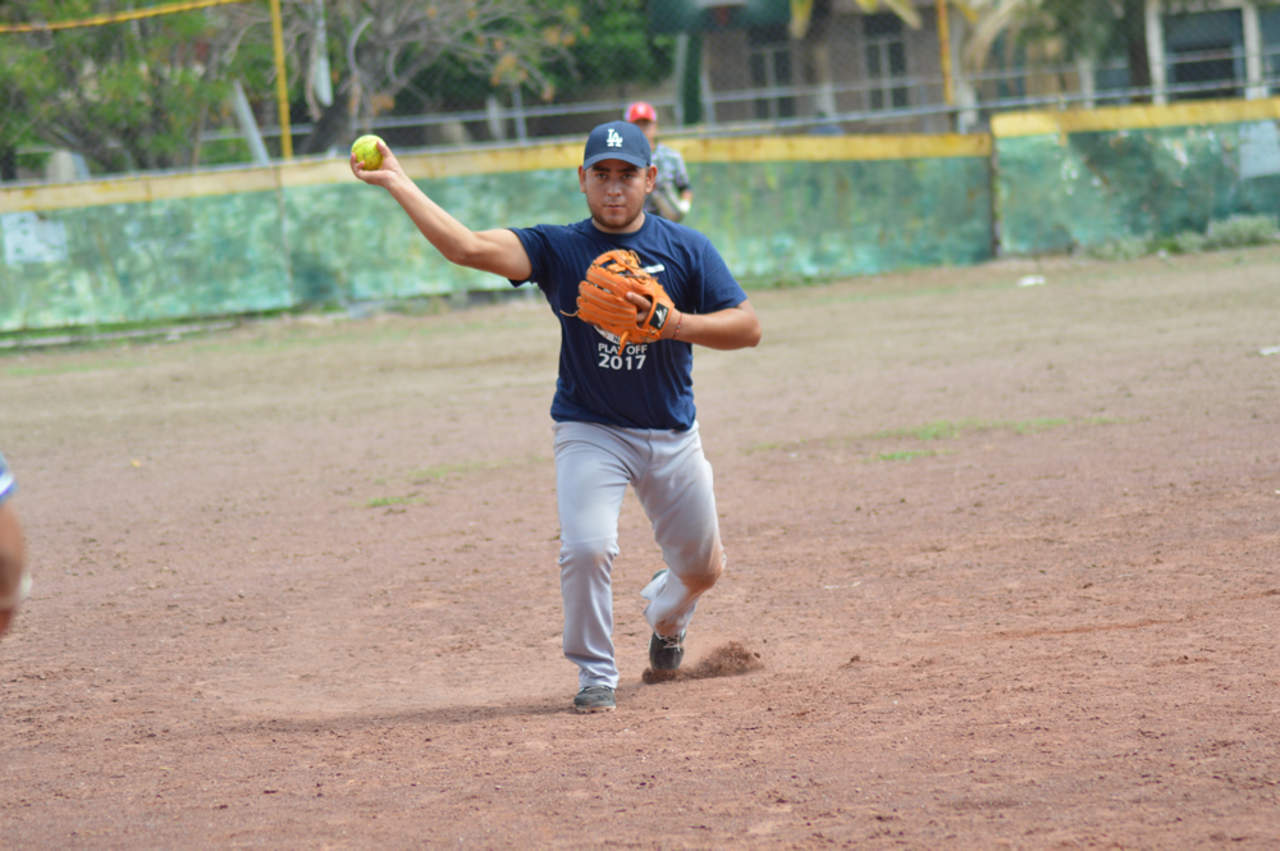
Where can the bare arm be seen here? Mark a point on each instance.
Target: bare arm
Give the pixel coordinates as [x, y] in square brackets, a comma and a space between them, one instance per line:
[12, 560]
[731, 328]
[497, 251]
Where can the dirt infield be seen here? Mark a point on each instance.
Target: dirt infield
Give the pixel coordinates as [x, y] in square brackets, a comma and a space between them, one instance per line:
[1004, 572]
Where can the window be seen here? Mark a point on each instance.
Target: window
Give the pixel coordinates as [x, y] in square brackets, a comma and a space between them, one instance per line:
[1205, 54]
[769, 61]
[886, 52]
[1269, 18]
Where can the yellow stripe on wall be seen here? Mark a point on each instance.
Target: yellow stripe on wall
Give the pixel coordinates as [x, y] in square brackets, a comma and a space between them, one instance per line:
[424, 166]
[1133, 117]
[824, 148]
[129, 190]
[567, 155]
[303, 172]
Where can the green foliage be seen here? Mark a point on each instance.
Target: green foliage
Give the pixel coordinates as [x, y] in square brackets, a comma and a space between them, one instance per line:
[15, 123]
[1095, 28]
[906, 455]
[616, 49]
[141, 94]
[950, 430]
[389, 501]
[1087, 27]
[1186, 242]
[410, 58]
[612, 46]
[1239, 231]
[1234, 232]
[127, 96]
[1121, 248]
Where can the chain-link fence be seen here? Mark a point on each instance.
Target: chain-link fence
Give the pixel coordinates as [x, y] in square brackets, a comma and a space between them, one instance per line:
[92, 87]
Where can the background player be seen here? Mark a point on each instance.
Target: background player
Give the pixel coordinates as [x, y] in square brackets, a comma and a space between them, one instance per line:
[13, 580]
[672, 195]
[621, 417]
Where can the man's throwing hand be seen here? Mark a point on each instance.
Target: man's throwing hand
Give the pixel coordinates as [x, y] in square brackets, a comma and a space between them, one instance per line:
[386, 171]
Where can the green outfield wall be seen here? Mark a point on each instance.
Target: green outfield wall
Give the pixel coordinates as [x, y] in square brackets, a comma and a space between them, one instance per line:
[780, 209]
[1070, 179]
[305, 233]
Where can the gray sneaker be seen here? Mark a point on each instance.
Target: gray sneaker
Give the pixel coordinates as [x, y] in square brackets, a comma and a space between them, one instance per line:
[595, 699]
[666, 653]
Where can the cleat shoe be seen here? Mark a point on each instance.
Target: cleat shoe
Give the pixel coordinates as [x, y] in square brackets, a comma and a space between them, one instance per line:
[665, 654]
[595, 699]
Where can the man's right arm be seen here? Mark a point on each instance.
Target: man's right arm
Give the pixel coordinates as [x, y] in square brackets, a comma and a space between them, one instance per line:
[12, 562]
[498, 251]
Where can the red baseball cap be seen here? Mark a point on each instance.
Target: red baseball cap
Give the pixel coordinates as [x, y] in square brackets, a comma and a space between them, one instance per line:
[641, 111]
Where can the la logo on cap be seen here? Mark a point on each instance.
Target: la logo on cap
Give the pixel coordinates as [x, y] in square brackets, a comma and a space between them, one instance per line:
[614, 139]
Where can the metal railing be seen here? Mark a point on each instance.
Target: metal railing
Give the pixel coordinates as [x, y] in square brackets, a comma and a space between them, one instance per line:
[499, 124]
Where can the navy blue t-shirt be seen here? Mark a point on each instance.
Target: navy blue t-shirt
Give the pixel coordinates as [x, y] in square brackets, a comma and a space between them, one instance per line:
[646, 385]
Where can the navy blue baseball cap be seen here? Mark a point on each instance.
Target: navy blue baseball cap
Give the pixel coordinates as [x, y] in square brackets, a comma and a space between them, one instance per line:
[617, 140]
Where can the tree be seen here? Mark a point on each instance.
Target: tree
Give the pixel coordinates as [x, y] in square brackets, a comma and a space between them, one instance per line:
[141, 94]
[377, 48]
[1093, 29]
[1090, 29]
[15, 127]
[130, 95]
[613, 47]
[616, 48]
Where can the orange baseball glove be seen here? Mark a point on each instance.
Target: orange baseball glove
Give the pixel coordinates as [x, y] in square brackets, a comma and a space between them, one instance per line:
[602, 299]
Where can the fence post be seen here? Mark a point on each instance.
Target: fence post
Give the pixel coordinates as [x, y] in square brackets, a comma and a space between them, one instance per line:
[944, 53]
[1255, 88]
[282, 84]
[1155, 52]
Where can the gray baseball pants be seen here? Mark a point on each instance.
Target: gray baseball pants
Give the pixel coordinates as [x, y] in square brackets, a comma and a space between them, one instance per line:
[673, 481]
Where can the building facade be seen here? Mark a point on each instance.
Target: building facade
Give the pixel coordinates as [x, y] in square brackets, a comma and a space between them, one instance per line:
[842, 69]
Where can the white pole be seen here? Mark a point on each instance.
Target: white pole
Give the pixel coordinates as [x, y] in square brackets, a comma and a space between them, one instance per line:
[1155, 53]
[682, 62]
[320, 79]
[248, 125]
[1088, 87]
[1254, 88]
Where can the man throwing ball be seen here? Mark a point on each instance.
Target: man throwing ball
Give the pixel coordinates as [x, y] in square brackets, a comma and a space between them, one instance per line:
[633, 294]
[14, 581]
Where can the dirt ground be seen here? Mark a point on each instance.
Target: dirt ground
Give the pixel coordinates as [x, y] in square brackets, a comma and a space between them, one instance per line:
[1004, 571]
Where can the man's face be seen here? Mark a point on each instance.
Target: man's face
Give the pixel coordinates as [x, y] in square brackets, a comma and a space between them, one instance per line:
[615, 193]
[650, 129]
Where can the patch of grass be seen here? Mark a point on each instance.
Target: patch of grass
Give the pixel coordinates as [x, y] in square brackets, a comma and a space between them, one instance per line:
[906, 455]
[1033, 426]
[440, 472]
[1187, 242]
[1239, 231]
[1233, 232]
[1121, 248]
[43, 370]
[949, 430]
[384, 501]
[770, 446]
[937, 430]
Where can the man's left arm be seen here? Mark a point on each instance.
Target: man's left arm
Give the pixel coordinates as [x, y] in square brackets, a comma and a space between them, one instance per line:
[730, 328]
